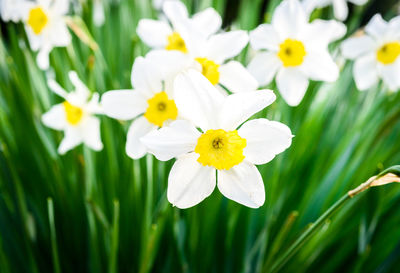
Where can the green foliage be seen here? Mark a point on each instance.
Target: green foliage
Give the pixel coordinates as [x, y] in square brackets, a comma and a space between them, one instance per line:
[103, 212]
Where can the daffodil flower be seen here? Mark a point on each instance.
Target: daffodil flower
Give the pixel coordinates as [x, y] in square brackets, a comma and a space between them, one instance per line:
[376, 53]
[75, 116]
[340, 9]
[160, 34]
[150, 104]
[46, 27]
[294, 50]
[219, 148]
[205, 51]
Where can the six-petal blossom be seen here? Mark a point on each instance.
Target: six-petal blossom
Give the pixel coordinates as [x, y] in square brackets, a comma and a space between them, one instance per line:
[75, 116]
[150, 104]
[46, 27]
[376, 53]
[294, 50]
[219, 149]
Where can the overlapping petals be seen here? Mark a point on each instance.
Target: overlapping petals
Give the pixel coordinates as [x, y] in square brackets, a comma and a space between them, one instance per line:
[76, 116]
[370, 64]
[206, 109]
[294, 50]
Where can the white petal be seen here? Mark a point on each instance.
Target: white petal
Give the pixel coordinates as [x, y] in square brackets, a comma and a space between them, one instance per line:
[320, 33]
[80, 88]
[139, 128]
[376, 27]
[237, 108]
[153, 33]
[189, 182]
[289, 18]
[292, 85]
[91, 133]
[175, 11]
[207, 21]
[197, 99]
[226, 45]
[123, 104]
[264, 139]
[365, 71]
[356, 46]
[42, 58]
[179, 138]
[264, 37]
[358, 2]
[340, 9]
[243, 184]
[72, 138]
[394, 27]
[264, 66]
[146, 77]
[59, 34]
[319, 66]
[391, 75]
[236, 78]
[56, 88]
[169, 64]
[55, 117]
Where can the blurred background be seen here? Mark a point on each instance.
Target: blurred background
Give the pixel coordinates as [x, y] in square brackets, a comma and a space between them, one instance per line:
[104, 212]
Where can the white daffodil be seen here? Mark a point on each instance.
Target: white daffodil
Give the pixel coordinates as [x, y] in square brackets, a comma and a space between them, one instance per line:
[219, 149]
[75, 116]
[150, 104]
[46, 27]
[160, 34]
[206, 51]
[376, 53]
[340, 9]
[10, 10]
[295, 50]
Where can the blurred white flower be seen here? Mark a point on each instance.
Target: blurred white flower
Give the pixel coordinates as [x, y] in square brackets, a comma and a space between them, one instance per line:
[46, 27]
[340, 9]
[75, 116]
[150, 104]
[166, 34]
[295, 50]
[219, 149]
[11, 10]
[206, 51]
[376, 53]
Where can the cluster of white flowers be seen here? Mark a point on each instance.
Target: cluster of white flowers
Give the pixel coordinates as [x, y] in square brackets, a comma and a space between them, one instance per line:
[191, 101]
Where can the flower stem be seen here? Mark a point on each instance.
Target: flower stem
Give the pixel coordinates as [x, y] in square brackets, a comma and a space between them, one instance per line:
[307, 234]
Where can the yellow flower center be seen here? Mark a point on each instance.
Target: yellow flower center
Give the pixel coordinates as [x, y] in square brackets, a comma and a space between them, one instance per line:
[220, 149]
[160, 109]
[209, 69]
[388, 53]
[291, 52]
[175, 42]
[37, 20]
[73, 113]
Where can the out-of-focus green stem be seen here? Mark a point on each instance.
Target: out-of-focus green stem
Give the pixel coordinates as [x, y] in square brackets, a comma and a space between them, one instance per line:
[307, 234]
[56, 262]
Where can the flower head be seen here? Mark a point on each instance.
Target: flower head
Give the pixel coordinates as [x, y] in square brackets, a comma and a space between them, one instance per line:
[161, 34]
[75, 116]
[196, 38]
[376, 53]
[151, 102]
[294, 50]
[46, 27]
[215, 140]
